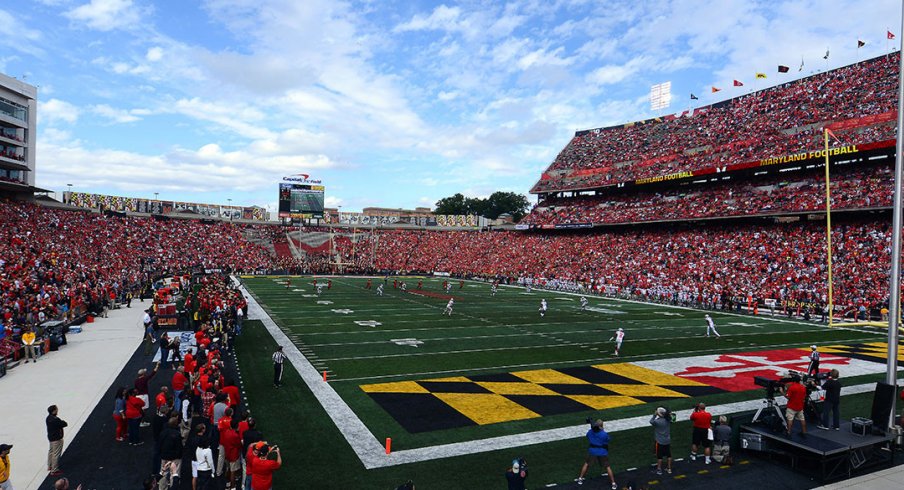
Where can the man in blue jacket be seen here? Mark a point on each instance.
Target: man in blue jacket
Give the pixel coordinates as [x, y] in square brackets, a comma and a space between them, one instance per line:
[598, 439]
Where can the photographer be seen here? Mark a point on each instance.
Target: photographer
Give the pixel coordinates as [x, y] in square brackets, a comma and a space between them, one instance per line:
[722, 441]
[598, 440]
[268, 461]
[833, 398]
[516, 474]
[702, 421]
[662, 422]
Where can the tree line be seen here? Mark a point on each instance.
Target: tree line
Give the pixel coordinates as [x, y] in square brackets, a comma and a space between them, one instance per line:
[497, 204]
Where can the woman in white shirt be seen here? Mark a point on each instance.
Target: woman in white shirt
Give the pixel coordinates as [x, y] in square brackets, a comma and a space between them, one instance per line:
[204, 458]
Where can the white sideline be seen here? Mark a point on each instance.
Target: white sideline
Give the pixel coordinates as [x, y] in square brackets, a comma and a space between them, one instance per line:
[373, 455]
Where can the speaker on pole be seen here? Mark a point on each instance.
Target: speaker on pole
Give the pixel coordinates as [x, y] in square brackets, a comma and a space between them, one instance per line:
[883, 398]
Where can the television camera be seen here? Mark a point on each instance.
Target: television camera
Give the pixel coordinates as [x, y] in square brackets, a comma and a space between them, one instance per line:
[777, 386]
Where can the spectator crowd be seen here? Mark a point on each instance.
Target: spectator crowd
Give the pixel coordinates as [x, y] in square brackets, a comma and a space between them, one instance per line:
[851, 188]
[59, 264]
[782, 120]
[203, 437]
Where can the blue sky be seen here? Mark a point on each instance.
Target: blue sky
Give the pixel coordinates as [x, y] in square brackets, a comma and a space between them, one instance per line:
[393, 104]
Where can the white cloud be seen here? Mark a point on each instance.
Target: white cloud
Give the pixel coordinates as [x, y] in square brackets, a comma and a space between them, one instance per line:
[154, 54]
[447, 96]
[16, 36]
[611, 74]
[333, 201]
[116, 115]
[106, 15]
[181, 169]
[442, 18]
[56, 110]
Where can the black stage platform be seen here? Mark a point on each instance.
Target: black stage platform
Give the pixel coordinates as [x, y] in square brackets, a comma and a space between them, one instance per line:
[827, 454]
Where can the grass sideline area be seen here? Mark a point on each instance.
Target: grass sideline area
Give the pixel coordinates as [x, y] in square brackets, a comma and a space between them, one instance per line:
[485, 335]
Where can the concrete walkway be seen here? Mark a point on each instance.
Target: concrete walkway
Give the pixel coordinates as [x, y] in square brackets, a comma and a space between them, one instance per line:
[74, 378]
[887, 479]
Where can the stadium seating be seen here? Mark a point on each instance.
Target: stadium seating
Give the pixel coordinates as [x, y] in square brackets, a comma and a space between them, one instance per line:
[782, 261]
[781, 120]
[57, 262]
[852, 188]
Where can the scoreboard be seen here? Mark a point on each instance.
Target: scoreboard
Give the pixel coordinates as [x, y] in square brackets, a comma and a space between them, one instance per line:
[300, 201]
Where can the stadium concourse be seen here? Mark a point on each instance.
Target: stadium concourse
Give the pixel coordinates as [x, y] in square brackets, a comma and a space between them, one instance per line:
[76, 378]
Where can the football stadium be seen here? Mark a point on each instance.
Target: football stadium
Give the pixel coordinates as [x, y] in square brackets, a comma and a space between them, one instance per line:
[682, 294]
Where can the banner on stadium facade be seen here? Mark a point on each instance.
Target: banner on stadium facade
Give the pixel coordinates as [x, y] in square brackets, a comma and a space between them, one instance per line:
[150, 206]
[522, 227]
[777, 160]
[573, 226]
[859, 122]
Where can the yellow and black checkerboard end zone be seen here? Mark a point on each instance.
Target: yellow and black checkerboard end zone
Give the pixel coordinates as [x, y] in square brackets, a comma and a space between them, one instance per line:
[461, 401]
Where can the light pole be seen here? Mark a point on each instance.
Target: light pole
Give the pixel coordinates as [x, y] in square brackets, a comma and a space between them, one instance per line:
[155, 195]
[69, 187]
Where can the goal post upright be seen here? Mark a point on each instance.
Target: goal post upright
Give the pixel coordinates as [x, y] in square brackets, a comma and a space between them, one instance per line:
[831, 305]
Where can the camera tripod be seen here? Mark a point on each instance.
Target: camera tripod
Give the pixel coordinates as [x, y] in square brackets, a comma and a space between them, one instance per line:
[768, 405]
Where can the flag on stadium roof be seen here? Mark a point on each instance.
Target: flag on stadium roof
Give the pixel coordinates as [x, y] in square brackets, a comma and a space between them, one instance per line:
[738, 84]
[783, 69]
[760, 75]
[827, 54]
[860, 44]
[694, 97]
[801, 64]
[714, 89]
[889, 35]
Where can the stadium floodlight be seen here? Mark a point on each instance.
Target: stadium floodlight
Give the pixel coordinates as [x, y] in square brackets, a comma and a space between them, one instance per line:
[660, 96]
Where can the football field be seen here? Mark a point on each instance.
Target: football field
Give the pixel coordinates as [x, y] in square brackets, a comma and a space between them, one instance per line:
[496, 374]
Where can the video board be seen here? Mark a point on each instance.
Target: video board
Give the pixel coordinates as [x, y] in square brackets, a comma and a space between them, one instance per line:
[300, 201]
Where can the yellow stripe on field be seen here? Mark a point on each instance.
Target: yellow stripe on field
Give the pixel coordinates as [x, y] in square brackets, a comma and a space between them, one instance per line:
[452, 379]
[602, 402]
[485, 408]
[645, 375]
[504, 388]
[549, 376]
[397, 387]
[642, 390]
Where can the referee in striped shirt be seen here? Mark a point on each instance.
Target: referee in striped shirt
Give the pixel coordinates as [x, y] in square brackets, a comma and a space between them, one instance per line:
[278, 358]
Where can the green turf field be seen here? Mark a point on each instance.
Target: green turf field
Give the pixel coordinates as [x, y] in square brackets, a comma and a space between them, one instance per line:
[494, 367]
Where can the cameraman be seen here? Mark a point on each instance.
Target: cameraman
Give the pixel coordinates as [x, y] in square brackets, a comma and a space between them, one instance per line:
[598, 440]
[833, 398]
[661, 422]
[796, 394]
[516, 474]
[702, 421]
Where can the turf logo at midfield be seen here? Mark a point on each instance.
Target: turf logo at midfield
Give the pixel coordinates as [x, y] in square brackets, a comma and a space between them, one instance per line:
[460, 401]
